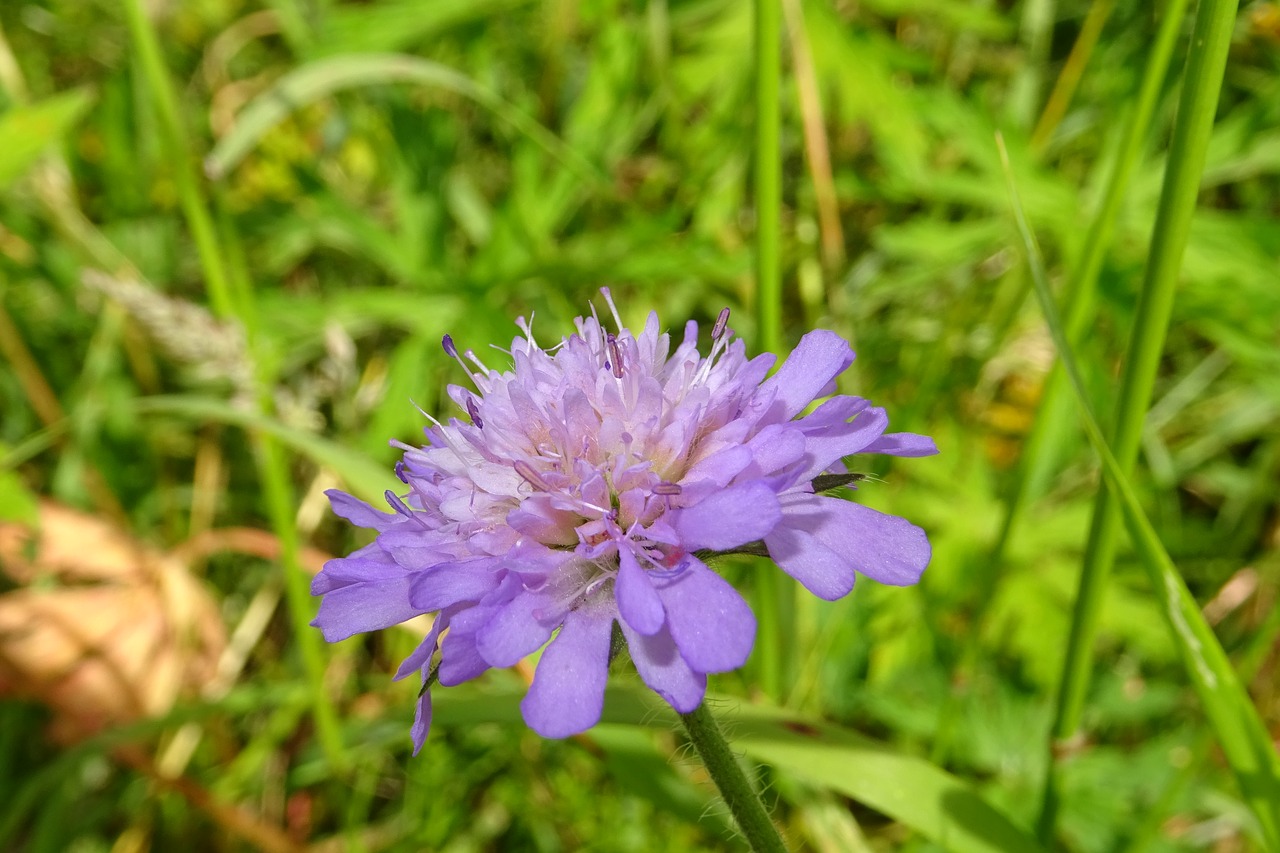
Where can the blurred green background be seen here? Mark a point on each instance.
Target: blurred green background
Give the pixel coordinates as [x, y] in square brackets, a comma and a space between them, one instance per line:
[225, 269]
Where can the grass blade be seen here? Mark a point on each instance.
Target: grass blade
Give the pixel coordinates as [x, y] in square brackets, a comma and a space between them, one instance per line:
[1054, 425]
[319, 79]
[775, 595]
[364, 478]
[920, 796]
[1240, 730]
[228, 302]
[1206, 64]
[26, 131]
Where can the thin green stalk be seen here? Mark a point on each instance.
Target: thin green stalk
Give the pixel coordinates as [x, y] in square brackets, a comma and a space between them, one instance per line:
[775, 593]
[175, 144]
[1257, 648]
[1035, 31]
[1206, 64]
[768, 174]
[1242, 735]
[272, 466]
[1054, 421]
[1069, 79]
[743, 801]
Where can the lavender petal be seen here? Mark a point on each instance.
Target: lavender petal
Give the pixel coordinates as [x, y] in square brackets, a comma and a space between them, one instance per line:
[567, 694]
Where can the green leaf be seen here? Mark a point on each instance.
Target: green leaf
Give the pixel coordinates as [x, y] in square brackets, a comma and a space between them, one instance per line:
[910, 790]
[25, 132]
[366, 479]
[914, 792]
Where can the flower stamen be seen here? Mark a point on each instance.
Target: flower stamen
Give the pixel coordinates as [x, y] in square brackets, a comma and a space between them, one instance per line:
[397, 503]
[613, 309]
[615, 355]
[532, 477]
[721, 322]
[474, 411]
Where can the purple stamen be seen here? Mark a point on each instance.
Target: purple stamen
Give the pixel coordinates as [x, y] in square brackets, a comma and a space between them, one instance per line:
[615, 354]
[404, 478]
[449, 349]
[524, 469]
[721, 322]
[398, 505]
[667, 489]
[474, 411]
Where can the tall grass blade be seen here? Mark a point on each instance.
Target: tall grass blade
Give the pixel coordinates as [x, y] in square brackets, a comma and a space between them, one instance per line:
[775, 597]
[768, 174]
[1241, 732]
[1206, 64]
[319, 79]
[272, 467]
[363, 477]
[1054, 425]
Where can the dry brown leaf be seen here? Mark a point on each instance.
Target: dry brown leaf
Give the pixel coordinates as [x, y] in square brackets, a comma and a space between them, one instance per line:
[69, 546]
[115, 632]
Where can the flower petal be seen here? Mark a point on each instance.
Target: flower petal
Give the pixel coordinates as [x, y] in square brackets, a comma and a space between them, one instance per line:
[520, 628]
[567, 694]
[368, 565]
[638, 602]
[659, 663]
[823, 572]
[840, 427]
[361, 607]
[538, 518]
[419, 660]
[902, 444]
[728, 518]
[720, 467]
[818, 535]
[775, 447]
[818, 359]
[460, 660]
[450, 583]
[421, 721]
[357, 511]
[709, 621]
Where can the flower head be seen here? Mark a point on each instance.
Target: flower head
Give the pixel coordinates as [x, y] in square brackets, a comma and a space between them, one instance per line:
[584, 488]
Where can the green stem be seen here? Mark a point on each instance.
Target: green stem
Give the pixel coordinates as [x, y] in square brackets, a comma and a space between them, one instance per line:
[768, 174]
[231, 296]
[1068, 81]
[175, 144]
[1193, 126]
[775, 594]
[1054, 419]
[743, 801]
[1055, 416]
[1257, 648]
[1245, 741]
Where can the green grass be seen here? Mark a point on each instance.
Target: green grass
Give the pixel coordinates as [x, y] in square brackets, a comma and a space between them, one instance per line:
[346, 182]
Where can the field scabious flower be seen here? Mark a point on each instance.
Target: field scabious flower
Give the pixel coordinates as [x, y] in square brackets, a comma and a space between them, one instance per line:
[585, 488]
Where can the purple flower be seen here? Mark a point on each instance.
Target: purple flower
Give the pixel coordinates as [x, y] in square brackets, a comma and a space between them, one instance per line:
[584, 489]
